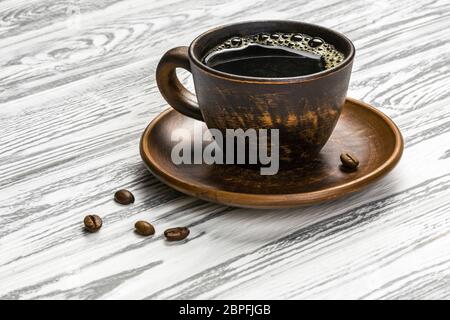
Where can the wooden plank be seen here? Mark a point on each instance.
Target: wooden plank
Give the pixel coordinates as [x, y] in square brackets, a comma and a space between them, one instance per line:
[74, 100]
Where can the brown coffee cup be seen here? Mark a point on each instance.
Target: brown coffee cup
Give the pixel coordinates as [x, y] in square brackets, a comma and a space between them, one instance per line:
[305, 109]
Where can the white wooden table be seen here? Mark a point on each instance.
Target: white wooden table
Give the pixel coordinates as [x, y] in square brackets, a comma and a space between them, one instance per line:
[77, 88]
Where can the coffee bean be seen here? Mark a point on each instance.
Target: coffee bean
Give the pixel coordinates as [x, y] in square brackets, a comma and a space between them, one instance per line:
[124, 197]
[144, 228]
[349, 160]
[176, 234]
[92, 223]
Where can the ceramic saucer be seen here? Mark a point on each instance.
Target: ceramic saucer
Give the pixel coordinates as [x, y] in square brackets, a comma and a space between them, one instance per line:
[363, 130]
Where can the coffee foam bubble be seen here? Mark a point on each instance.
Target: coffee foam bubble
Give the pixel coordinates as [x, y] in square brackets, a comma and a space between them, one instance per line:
[302, 42]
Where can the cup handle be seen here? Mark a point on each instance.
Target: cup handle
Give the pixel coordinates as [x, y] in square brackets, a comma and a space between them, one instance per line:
[171, 88]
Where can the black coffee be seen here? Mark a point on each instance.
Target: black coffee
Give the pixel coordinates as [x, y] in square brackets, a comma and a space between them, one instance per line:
[277, 55]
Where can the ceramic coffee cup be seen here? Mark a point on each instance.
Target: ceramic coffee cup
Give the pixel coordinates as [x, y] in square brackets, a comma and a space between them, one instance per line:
[305, 109]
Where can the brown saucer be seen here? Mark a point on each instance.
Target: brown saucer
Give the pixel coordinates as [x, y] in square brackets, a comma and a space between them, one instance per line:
[361, 129]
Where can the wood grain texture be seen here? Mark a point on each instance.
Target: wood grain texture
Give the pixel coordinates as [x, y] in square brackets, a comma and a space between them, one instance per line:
[76, 92]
